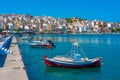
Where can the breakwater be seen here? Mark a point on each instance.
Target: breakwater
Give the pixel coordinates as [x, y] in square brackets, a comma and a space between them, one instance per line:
[13, 68]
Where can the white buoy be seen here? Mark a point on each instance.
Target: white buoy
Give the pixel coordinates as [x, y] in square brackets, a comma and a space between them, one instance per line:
[2, 48]
[5, 50]
[10, 52]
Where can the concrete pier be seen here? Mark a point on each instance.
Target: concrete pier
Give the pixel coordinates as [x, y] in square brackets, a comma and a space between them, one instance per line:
[13, 68]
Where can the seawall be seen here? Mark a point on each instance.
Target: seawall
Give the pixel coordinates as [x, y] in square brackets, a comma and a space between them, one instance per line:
[13, 68]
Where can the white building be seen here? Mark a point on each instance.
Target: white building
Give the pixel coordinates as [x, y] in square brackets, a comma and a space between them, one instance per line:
[26, 28]
[10, 26]
[109, 25]
[45, 26]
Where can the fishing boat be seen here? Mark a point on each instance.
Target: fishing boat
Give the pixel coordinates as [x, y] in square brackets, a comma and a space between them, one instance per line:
[47, 43]
[76, 58]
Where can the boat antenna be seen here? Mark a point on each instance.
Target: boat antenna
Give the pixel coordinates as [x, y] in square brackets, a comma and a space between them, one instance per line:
[75, 47]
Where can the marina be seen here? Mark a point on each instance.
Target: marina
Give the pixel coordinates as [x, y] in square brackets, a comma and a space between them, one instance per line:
[59, 40]
[106, 46]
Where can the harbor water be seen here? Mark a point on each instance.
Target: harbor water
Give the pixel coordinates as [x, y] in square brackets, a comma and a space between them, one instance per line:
[106, 46]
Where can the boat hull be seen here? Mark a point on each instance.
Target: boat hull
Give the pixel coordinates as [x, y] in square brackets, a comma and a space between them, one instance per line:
[96, 63]
[40, 45]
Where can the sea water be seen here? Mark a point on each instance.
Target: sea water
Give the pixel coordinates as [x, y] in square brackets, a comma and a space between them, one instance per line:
[106, 46]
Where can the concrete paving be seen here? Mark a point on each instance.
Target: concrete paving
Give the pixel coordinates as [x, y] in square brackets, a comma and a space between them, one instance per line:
[13, 68]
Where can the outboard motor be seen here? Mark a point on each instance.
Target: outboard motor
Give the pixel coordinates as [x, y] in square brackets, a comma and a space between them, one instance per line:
[52, 44]
[32, 38]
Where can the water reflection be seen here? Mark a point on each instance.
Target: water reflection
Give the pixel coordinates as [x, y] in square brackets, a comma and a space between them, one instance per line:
[64, 73]
[79, 38]
[74, 71]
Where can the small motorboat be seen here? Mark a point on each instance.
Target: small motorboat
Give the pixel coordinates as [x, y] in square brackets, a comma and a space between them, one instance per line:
[47, 43]
[74, 59]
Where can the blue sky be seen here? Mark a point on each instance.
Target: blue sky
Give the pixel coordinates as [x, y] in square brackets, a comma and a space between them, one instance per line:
[106, 10]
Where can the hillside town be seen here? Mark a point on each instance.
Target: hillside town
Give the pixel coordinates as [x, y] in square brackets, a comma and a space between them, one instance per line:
[49, 24]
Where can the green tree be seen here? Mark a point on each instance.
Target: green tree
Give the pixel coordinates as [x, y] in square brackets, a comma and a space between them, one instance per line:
[91, 28]
[1, 29]
[118, 29]
[18, 29]
[69, 20]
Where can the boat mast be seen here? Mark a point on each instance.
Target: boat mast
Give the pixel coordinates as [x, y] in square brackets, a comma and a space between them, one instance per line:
[75, 47]
[76, 50]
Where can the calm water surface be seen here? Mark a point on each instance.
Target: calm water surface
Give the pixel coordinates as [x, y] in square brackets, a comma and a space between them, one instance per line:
[103, 45]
